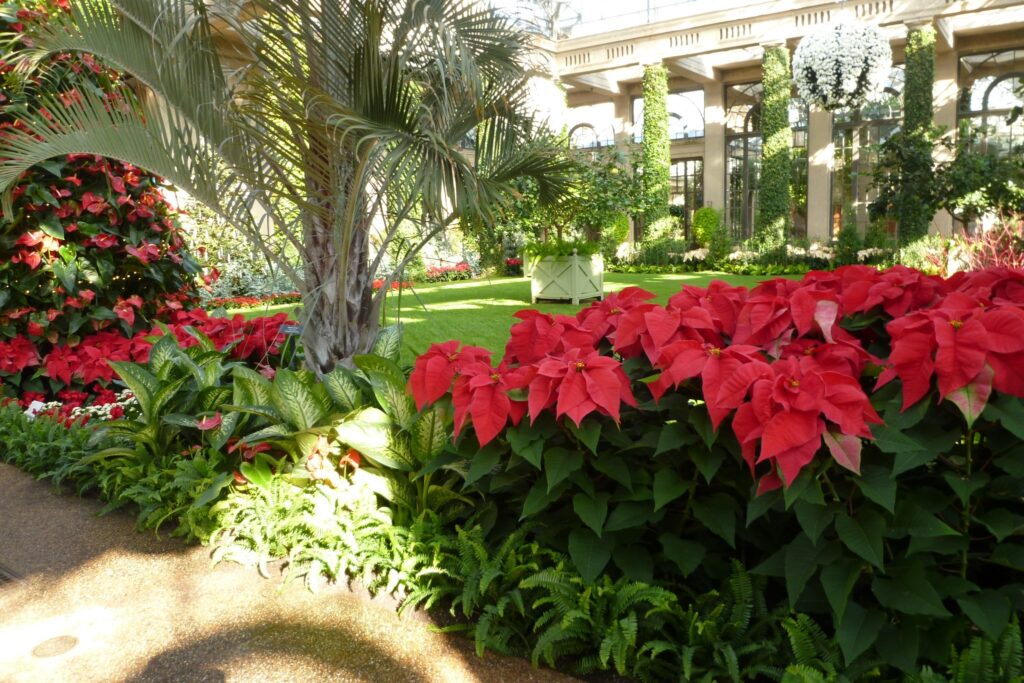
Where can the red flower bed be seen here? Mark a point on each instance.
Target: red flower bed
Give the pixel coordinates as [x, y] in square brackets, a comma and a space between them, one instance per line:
[793, 363]
[460, 271]
[83, 369]
[255, 301]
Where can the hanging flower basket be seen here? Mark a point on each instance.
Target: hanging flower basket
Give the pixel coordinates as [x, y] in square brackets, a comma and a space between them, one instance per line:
[843, 66]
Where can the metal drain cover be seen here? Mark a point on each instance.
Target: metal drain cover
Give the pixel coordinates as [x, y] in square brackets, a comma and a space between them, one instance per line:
[55, 647]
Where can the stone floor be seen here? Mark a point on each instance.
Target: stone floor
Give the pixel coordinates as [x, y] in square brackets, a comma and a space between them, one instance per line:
[97, 601]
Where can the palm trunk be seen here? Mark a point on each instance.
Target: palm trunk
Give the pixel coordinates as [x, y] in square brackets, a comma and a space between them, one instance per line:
[341, 314]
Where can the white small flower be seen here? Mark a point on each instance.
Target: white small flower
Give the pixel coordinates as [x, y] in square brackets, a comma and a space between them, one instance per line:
[842, 66]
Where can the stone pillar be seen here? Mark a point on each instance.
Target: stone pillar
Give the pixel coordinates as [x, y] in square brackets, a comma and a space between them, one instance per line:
[820, 162]
[623, 121]
[945, 94]
[714, 145]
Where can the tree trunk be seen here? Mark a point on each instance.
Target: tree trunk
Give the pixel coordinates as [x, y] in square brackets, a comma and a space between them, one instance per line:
[340, 314]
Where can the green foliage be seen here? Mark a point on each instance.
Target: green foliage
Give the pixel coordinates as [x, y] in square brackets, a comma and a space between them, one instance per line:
[774, 200]
[707, 223]
[848, 243]
[614, 235]
[661, 251]
[976, 183]
[666, 227]
[927, 254]
[657, 154]
[47, 446]
[557, 247]
[918, 109]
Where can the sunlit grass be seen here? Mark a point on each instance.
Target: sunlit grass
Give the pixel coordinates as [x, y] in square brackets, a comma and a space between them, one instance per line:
[479, 312]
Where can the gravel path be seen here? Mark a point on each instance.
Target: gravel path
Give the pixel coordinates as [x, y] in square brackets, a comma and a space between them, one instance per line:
[97, 601]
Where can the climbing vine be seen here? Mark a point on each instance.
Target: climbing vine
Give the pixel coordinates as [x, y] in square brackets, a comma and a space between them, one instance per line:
[657, 156]
[773, 213]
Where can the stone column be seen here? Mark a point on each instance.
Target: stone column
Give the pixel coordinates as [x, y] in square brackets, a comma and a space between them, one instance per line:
[820, 162]
[623, 121]
[945, 94]
[714, 145]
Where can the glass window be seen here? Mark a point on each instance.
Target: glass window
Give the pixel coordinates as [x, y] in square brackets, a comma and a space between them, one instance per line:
[798, 114]
[990, 87]
[686, 178]
[685, 116]
[742, 157]
[856, 137]
[591, 125]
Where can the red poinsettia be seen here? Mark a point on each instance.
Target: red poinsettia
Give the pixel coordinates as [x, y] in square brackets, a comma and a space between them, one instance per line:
[434, 371]
[578, 383]
[792, 405]
[602, 317]
[481, 393]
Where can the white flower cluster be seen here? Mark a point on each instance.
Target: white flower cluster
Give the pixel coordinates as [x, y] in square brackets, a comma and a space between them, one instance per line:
[125, 400]
[865, 254]
[842, 66]
[741, 255]
[695, 255]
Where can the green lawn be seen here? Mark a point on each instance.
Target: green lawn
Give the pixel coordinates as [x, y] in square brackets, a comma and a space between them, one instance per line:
[480, 312]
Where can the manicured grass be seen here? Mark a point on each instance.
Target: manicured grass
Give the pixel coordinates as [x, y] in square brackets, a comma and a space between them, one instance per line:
[480, 312]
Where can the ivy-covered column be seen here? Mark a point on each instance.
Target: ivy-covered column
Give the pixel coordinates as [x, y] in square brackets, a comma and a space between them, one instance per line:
[657, 151]
[773, 212]
[914, 212]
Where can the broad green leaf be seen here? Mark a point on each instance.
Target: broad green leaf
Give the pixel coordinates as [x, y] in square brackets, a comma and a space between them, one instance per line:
[718, 514]
[368, 430]
[759, 505]
[213, 491]
[805, 487]
[701, 422]
[813, 518]
[377, 365]
[921, 523]
[687, 555]
[909, 452]
[343, 389]
[257, 472]
[668, 486]
[525, 444]
[899, 646]
[615, 467]
[1009, 411]
[162, 355]
[863, 535]
[708, 461]
[483, 463]
[593, 510]
[990, 610]
[142, 384]
[589, 433]
[877, 484]
[559, 463]
[589, 553]
[674, 435]
[51, 225]
[1009, 555]
[635, 562]
[801, 564]
[430, 433]
[388, 343]
[295, 401]
[539, 498]
[858, 631]
[628, 515]
[1002, 523]
[909, 591]
[838, 580]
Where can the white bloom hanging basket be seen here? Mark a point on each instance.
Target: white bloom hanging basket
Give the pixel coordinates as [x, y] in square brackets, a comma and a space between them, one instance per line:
[843, 66]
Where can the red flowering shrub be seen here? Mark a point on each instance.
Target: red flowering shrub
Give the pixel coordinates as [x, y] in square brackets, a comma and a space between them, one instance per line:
[858, 427]
[91, 251]
[460, 271]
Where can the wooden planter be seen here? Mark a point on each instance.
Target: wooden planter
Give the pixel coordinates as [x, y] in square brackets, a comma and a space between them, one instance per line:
[566, 278]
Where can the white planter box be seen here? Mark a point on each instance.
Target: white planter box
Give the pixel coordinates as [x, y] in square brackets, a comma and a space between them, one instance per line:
[566, 278]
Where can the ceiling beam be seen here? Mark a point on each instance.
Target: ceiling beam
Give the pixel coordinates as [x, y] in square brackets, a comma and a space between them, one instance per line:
[694, 68]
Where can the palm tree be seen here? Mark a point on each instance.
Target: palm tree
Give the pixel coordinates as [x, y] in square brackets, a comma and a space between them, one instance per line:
[319, 123]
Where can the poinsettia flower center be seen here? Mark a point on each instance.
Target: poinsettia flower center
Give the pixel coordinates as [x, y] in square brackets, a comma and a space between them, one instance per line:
[956, 324]
[715, 351]
[495, 376]
[616, 310]
[794, 383]
[580, 365]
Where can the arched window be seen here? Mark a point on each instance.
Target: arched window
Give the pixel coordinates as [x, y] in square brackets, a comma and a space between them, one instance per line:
[856, 137]
[685, 116]
[990, 87]
[591, 125]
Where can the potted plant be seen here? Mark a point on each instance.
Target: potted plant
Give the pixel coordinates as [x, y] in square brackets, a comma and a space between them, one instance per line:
[842, 65]
[565, 271]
